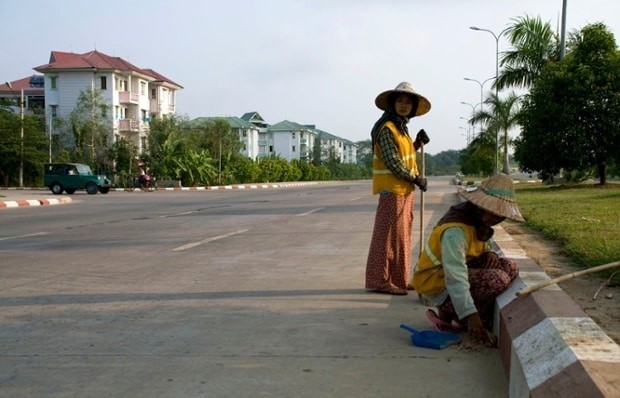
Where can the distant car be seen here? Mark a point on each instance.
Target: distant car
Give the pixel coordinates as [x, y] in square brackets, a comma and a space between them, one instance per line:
[69, 177]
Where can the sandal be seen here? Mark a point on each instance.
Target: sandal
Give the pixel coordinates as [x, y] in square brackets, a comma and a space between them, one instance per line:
[441, 325]
[396, 291]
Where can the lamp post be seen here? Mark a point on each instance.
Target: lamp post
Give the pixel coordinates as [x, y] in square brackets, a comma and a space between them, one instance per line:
[496, 37]
[467, 130]
[468, 127]
[481, 91]
[21, 134]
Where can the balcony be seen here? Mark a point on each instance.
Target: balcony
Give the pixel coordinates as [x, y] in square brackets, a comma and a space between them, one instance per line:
[128, 97]
[129, 125]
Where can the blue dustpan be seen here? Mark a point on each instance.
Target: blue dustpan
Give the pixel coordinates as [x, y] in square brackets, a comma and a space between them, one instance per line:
[431, 339]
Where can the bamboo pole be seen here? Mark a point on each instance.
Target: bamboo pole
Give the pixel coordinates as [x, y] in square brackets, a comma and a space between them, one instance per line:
[566, 277]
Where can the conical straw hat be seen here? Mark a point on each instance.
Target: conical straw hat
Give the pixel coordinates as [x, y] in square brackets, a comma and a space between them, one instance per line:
[404, 88]
[497, 196]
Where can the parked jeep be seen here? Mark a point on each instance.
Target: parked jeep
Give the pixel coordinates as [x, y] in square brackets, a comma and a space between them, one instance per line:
[70, 177]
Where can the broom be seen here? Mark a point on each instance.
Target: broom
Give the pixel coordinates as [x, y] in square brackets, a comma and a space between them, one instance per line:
[566, 277]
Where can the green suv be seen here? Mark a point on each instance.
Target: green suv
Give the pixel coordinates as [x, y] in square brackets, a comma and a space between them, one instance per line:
[70, 177]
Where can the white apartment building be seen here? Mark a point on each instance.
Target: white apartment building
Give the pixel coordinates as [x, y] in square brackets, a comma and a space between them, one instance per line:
[134, 95]
[291, 141]
[287, 139]
[247, 132]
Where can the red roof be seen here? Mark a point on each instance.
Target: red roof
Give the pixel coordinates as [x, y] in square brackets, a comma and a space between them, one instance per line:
[24, 83]
[95, 60]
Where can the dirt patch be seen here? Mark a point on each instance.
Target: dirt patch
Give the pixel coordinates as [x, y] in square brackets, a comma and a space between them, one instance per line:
[604, 310]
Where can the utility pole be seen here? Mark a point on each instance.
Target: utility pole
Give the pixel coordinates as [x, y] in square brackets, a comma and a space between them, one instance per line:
[563, 34]
[21, 139]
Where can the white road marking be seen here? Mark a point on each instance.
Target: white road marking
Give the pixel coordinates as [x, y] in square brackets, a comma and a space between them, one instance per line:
[178, 214]
[200, 242]
[310, 212]
[24, 236]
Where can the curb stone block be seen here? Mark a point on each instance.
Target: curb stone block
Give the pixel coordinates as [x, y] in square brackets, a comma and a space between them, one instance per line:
[548, 346]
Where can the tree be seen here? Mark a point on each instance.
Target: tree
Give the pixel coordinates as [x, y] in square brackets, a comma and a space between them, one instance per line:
[89, 127]
[479, 156]
[570, 118]
[364, 153]
[34, 144]
[500, 116]
[534, 45]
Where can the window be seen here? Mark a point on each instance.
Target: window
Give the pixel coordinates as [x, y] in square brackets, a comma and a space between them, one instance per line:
[54, 110]
[104, 83]
[143, 113]
[270, 148]
[293, 134]
[244, 134]
[154, 93]
[293, 148]
[104, 111]
[53, 83]
[142, 88]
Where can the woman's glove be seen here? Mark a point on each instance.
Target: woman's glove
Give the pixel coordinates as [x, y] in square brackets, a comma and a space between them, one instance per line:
[421, 138]
[421, 183]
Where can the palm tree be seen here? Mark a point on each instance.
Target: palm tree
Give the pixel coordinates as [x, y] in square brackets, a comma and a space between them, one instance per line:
[500, 115]
[534, 45]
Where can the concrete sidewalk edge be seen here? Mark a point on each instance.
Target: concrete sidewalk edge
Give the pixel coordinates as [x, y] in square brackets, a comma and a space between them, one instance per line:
[548, 345]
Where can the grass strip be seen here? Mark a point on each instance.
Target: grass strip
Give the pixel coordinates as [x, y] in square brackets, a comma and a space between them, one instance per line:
[584, 218]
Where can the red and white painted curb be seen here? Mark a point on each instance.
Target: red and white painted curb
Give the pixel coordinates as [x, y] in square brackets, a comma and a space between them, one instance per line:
[66, 199]
[34, 202]
[548, 345]
[236, 186]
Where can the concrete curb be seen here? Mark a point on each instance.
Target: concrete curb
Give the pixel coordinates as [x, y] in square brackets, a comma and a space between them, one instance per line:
[34, 202]
[65, 199]
[237, 186]
[549, 347]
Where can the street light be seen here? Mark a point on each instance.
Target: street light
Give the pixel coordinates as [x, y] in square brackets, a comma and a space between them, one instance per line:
[21, 134]
[467, 130]
[468, 127]
[481, 91]
[496, 37]
[473, 112]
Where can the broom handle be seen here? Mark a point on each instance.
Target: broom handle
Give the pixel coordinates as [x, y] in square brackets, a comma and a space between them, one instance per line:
[422, 202]
[566, 277]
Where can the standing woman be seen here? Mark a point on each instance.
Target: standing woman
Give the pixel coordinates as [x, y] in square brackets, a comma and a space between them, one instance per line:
[395, 175]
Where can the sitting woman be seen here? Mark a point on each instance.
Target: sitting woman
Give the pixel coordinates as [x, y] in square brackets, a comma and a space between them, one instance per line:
[457, 272]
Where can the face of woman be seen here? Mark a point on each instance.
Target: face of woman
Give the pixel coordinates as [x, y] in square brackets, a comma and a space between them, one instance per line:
[403, 105]
[490, 219]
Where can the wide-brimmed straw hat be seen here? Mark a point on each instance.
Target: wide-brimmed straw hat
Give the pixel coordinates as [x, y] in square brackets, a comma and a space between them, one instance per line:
[497, 196]
[403, 88]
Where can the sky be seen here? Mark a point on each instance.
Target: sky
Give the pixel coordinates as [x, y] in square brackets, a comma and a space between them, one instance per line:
[318, 62]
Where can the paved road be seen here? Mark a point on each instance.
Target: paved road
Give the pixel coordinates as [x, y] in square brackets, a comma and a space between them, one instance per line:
[237, 293]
